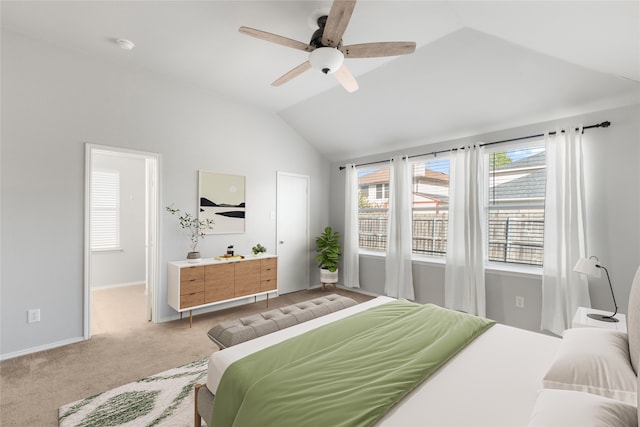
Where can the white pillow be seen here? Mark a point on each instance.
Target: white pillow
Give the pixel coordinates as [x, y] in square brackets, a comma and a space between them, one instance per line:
[596, 361]
[563, 408]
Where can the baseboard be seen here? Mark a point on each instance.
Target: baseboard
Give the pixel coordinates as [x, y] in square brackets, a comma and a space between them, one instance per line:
[40, 348]
[360, 291]
[357, 290]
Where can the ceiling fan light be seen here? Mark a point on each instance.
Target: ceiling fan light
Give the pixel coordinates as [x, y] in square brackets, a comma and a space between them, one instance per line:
[326, 59]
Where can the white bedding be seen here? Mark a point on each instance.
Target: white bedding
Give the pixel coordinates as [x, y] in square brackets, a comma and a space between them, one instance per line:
[493, 382]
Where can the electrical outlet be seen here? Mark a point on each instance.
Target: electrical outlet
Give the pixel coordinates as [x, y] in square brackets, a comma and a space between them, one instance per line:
[520, 302]
[33, 315]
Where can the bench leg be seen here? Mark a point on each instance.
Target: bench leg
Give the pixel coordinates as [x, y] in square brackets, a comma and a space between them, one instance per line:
[197, 419]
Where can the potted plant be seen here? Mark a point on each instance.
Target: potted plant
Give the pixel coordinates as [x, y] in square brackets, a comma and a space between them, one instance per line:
[328, 258]
[195, 227]
[258, 250]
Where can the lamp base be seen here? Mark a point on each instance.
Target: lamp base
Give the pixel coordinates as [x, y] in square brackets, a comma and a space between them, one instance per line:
[602, 317]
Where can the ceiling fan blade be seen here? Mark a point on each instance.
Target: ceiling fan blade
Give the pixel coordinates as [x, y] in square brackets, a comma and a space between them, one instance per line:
[337, 21]
[292, 73]
[274, 38]
[346, 79]
[374, 50]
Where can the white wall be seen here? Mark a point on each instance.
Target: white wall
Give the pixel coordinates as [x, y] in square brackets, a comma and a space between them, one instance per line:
[612, 187]
[53, 102]
[127, 265]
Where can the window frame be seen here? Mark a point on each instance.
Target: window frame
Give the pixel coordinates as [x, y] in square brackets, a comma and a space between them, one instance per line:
[503, 147]
[426, 159]
[383, 205]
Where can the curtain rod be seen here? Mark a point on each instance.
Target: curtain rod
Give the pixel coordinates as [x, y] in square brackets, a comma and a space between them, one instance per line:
[604, 124]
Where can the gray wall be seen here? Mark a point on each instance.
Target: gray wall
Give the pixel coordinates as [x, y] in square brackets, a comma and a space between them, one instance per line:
[612, 187]
[126, 266]
[53, 102]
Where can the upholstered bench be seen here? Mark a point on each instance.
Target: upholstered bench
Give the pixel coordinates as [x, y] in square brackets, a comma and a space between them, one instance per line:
[237, 331]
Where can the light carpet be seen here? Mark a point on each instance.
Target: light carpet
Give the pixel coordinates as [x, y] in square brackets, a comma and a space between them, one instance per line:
[164, 399]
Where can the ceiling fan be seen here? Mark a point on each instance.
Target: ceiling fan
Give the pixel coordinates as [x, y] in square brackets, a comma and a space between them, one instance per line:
[326, 52]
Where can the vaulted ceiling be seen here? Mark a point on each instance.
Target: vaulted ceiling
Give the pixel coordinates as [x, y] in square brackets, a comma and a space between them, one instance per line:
[479, 65]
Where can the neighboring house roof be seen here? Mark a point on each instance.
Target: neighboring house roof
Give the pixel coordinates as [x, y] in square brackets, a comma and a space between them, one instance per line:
[382, 176]
[376, 177]
[434, 177]
[430, 198]
[534, 182]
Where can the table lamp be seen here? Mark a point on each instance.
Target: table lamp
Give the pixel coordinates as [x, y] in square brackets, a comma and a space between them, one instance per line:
[591, 267]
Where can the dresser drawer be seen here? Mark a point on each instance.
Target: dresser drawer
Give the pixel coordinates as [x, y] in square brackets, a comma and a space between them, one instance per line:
[268, 269]
[268, 285]
[191, 286]
[192, 299]
[190, 274]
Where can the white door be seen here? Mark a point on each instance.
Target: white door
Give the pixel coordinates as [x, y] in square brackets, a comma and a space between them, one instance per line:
[292, 232]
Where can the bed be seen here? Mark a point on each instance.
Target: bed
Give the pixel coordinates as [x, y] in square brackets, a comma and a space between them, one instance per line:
[503, 377]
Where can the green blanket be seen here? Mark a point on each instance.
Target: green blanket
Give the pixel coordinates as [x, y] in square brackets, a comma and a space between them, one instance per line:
[347, 373]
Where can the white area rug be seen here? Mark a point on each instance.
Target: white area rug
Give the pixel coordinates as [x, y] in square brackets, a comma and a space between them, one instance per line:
[165, 399]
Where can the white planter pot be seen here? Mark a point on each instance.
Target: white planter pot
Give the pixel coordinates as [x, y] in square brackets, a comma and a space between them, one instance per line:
[327, 276]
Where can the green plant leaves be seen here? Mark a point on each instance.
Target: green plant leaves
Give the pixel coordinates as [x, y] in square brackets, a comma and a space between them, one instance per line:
[328, 248]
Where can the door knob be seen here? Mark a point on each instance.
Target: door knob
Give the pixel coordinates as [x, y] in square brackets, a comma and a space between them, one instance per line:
[281, 241]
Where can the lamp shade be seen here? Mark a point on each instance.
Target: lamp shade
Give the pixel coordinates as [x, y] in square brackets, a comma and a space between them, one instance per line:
[588, 266]
[326, 59]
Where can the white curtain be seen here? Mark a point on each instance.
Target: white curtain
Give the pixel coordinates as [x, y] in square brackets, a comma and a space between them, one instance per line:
[464, 287]
[563, 290]
[398, 281]
[350, 257]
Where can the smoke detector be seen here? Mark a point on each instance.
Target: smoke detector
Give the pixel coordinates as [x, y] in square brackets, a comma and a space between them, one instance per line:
[125, 44]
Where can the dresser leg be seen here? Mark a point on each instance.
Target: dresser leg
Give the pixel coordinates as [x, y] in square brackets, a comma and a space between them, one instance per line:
[190, 318]
[267, 300]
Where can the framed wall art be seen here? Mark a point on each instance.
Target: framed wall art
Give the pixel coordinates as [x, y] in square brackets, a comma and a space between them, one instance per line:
[222, 199]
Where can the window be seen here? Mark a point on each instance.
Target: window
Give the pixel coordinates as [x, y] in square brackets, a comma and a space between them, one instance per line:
[515, 186]
[373, 207]
[430, 207]
[382, 191]
[105, 212]
[516, 193]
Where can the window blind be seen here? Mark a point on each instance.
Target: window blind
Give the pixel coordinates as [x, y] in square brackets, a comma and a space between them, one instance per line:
[105, 209]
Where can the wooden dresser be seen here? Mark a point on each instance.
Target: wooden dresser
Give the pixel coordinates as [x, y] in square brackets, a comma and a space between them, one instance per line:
[211, 281]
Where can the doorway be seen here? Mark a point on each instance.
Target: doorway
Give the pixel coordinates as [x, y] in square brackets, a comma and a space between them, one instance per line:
[121, 255]
[292, 229]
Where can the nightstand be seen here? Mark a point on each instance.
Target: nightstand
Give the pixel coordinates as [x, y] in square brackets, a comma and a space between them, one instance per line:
[580, 320]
